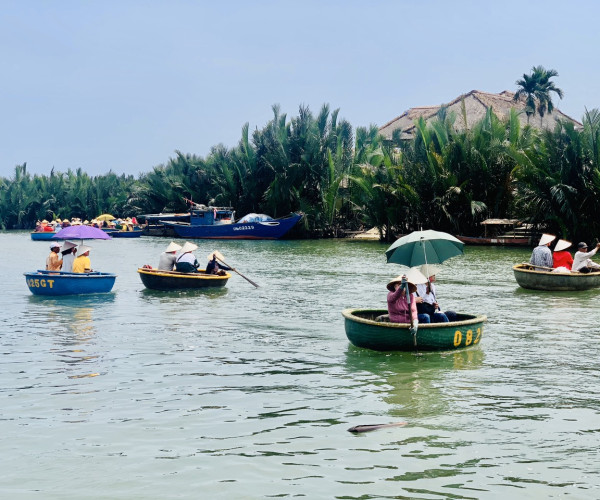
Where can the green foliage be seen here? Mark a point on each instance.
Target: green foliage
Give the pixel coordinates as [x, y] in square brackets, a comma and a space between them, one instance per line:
[447, 177]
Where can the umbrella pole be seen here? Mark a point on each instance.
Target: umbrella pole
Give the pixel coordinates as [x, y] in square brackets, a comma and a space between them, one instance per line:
[425, 255]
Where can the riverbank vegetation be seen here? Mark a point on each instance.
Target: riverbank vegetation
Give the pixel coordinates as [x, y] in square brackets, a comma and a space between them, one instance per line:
[345, 179]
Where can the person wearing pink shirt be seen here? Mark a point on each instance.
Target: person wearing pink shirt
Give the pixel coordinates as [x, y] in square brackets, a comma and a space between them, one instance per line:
[399, 309]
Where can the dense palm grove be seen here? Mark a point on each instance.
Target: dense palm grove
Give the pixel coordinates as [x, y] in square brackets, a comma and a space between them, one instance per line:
[344, 180]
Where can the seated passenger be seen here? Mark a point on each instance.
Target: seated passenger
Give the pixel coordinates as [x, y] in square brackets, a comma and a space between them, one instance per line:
[214, 267]
[68, 251]
[541, 255]
[562, 260]
[427, 305]
[82, 263]
[399, 309]
[166, 261]
[582, 261]
[186, 261]
[53, 263]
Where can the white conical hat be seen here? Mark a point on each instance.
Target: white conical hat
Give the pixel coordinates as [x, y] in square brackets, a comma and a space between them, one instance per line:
[82, 249]
[67, 245]
[216, 254]
[413, 276]
[173, 247]
[546, 238]
[430, 269]
[188, 247]
[562, 245]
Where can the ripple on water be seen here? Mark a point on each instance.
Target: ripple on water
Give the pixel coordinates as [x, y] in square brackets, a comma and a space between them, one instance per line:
[246, 391]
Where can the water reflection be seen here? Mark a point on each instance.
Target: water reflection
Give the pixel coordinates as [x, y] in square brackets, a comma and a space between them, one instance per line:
[411, 383]
[165, 297]
[70, 322]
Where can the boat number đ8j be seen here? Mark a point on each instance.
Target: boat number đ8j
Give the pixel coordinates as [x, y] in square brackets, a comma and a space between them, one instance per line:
[468, 337]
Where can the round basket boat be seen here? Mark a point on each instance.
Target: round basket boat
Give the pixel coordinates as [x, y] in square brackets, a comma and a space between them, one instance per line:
[173, 280]
[370, 328]
[55, 283]
[532, 278]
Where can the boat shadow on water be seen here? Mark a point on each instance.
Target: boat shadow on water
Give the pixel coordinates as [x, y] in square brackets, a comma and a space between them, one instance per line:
[150, 295]
[81, 300]
[412, 384]
[359, 359]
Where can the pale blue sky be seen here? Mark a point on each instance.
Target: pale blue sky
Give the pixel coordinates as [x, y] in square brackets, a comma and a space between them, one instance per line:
[121, 84]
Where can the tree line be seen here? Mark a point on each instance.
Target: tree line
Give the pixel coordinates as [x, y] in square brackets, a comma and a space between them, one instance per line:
[345, 180]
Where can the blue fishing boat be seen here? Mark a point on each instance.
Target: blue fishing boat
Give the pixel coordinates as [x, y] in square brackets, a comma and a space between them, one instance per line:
[55, 283]
[218, 223]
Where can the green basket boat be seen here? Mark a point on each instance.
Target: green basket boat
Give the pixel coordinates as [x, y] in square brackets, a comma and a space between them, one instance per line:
[529, 277]
[369, 328]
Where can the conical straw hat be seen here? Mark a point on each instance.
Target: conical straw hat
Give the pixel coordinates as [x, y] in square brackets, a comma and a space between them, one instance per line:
[546, 238]
[217, 254]
[173, 247]
[562, 245]
[188, 247]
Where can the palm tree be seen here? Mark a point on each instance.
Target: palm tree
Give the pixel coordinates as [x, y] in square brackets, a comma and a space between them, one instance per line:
[536, 89]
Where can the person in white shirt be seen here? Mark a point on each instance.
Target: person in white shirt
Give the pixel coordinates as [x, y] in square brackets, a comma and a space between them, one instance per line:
[582, 261]
[186, 262]
[68, 251]
[427, 304]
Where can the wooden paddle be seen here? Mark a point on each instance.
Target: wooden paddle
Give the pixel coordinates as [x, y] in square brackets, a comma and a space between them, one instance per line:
[234, 270]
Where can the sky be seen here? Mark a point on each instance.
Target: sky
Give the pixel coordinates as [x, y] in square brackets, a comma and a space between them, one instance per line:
[120, 85]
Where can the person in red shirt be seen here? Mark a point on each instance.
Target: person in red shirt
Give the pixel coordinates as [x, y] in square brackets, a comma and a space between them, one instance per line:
[560, 257]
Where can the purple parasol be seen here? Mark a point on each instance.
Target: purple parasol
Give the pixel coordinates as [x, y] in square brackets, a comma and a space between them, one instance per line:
[81, 233]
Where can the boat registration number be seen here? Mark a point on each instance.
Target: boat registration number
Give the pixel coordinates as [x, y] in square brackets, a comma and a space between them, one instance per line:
[243, 228]
[40, 283]
[468, 337]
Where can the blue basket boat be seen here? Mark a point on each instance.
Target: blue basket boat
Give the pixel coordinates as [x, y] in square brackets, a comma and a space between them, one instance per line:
[53, 283]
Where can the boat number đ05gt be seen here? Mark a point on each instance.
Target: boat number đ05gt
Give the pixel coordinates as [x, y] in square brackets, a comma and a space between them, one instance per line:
[37, 283]
[458, 336]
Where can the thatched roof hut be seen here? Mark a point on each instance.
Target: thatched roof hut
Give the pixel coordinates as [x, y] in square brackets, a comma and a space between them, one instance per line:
[476, 104]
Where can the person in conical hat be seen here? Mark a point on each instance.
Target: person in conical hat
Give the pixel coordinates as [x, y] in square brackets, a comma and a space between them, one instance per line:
[186, 261]
[68, 251]
[214, 266]
[166, 261]
[82, 263]
[541, 255]
[562, 261]
[400, 309]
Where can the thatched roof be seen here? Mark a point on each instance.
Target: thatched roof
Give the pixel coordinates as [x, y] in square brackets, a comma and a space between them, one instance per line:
[476, 105]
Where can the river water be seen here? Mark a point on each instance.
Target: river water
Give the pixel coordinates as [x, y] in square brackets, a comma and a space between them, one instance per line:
[248, 392]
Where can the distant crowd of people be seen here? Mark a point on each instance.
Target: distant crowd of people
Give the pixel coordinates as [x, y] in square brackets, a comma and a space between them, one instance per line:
[561, 261]
[128, 224]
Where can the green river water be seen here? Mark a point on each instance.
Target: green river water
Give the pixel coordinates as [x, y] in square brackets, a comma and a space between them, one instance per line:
[248, 393]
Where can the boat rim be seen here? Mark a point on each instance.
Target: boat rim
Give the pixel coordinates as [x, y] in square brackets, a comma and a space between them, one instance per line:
[69, 274]
[349, 314]
[175, 274]
[571, 274]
